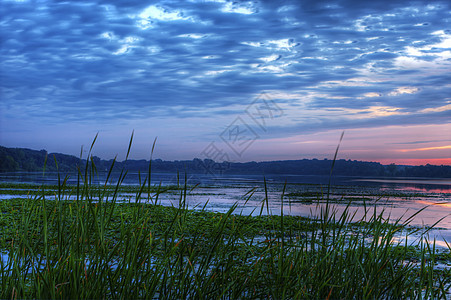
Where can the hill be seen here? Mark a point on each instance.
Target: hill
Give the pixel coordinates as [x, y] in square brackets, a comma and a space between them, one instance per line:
[21, 159]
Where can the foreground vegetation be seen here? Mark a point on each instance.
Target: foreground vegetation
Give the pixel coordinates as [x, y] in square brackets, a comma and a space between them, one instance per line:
[82, 242]
[96, 247]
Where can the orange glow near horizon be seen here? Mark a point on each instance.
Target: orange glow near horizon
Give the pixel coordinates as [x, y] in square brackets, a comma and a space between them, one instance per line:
[426, 149]
[413, 145]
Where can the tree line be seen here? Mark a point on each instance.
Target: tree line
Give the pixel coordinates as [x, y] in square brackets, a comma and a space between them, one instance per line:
[27, 160]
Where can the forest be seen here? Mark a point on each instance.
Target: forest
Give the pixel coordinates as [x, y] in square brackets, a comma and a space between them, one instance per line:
[27, 160]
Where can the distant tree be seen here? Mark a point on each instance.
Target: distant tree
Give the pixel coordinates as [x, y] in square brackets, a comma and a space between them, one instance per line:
[8, 164]
[20, 159]
[391, 169]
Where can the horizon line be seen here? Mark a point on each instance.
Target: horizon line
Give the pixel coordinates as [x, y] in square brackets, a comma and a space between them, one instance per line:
[444, 161]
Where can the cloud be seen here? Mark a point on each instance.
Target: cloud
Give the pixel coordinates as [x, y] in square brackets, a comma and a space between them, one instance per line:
[404, 90]
[333, 64]
[427, 148]
[420, 142]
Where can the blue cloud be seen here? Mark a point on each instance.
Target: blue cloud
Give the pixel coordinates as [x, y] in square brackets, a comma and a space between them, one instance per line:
[97, 59]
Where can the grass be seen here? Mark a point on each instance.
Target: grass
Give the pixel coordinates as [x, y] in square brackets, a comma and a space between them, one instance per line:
[82, 242]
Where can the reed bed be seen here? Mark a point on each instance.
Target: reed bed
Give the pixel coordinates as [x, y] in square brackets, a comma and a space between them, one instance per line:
[81, 242]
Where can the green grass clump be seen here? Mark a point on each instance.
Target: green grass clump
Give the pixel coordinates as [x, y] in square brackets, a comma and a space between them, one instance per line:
[81, 242]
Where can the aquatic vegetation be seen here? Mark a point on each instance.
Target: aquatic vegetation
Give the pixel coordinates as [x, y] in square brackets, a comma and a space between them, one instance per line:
[80, 241]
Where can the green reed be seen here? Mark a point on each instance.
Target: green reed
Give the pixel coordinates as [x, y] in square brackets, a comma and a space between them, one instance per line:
[81, 242]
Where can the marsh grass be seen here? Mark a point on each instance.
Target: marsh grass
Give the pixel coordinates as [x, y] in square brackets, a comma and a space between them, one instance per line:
[81, 242]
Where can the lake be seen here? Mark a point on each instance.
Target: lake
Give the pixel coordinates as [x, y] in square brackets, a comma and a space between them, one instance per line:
[396, 198]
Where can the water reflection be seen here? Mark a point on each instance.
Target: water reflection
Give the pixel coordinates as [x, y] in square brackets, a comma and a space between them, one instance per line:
[395, 198]
[427, 203]
[426, 189]
[412, 185]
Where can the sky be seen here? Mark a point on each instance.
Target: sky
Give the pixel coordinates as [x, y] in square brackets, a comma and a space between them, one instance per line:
[228, 80]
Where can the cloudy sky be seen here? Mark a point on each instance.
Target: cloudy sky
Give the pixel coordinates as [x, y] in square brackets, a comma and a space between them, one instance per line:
[236, 80]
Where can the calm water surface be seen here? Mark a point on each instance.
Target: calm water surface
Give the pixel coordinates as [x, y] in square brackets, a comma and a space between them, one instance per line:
[396, 198]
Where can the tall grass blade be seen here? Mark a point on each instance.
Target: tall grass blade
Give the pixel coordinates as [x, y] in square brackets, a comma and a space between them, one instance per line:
[333, 164]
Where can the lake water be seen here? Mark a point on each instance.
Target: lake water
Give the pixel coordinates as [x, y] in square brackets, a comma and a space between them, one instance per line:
[395, 198]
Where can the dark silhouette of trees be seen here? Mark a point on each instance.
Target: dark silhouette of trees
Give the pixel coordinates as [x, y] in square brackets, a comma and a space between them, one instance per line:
[20, 159]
